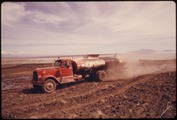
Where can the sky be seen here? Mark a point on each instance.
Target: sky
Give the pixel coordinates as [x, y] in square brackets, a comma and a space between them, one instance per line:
[66, 28]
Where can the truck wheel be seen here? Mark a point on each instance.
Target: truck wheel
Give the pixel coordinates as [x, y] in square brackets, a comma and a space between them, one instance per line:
[49, 86]
[101, 76]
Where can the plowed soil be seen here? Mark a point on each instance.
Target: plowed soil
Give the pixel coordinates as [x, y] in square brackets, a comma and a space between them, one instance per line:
[149, 95]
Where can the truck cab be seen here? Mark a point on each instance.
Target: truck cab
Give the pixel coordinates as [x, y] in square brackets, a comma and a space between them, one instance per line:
[47, 78]
[65, 67]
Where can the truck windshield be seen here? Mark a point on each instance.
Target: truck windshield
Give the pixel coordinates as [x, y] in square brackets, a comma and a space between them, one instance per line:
[57, 63]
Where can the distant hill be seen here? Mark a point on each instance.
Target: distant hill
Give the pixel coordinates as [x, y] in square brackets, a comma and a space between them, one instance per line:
[12, 55]
[169, 50]
[143, 51]
[148, 51]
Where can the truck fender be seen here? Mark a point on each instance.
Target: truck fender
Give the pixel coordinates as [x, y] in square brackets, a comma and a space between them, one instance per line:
[57, 80]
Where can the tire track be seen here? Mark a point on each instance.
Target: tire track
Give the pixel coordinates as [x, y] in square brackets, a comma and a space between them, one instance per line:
[37, 100]
[85, 101]
[70, 99]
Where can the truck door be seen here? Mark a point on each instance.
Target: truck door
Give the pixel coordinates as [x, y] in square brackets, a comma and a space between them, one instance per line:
[66, 69]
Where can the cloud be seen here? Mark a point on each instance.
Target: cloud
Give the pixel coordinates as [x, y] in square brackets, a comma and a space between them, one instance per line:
[12, 12]
[16, 12]
[43, 18]
[11, 53]
[87, 26]
[4, 53]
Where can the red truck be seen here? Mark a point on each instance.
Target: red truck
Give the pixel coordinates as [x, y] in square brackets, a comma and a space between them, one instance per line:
[92, 67]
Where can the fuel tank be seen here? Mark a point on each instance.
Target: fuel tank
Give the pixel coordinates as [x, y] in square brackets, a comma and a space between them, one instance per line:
[86, 63]
[95, 62]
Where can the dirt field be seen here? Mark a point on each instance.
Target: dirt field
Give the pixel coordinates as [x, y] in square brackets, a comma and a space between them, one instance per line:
[147, 94]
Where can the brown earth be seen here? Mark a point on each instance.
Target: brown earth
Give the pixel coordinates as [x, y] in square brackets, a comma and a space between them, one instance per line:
[148, 95]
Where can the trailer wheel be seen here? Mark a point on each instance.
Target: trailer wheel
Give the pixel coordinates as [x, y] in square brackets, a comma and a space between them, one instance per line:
[101, 76]
[49, 86]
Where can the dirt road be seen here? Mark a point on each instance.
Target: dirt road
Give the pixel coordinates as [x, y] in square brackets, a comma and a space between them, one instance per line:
[151, 95]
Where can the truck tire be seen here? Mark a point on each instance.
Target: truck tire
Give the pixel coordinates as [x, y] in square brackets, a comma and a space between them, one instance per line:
[49, 86]
[101, 75]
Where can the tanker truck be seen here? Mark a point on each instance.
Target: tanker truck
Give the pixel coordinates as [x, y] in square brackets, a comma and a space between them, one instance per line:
[64, 70]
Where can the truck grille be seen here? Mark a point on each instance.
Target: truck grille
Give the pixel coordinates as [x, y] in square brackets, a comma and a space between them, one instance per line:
[35, 76]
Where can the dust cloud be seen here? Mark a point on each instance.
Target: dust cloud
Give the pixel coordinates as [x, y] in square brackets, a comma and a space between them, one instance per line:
[142, 67]
[136, 69]
[140, 64]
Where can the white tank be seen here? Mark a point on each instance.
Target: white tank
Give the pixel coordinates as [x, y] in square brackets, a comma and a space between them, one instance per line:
[89, 63]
